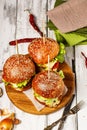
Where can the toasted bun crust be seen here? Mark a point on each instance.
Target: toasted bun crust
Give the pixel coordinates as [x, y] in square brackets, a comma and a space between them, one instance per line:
[40, 48]
[18, 68]
[51, 87]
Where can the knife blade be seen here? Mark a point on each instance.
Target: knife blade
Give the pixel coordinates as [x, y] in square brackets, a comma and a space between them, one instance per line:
[66, 110]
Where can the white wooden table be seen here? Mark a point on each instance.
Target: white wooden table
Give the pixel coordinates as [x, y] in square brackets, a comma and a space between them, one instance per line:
[14, 24]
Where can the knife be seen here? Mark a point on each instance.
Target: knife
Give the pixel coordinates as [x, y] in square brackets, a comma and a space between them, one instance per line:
[66, 110]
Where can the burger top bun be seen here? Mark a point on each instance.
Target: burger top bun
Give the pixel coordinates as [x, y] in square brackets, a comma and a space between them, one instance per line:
[18, 68]
[48, 87]
[40, 48]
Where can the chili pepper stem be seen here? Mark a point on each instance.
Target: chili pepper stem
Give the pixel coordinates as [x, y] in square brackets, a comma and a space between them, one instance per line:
[29, 11]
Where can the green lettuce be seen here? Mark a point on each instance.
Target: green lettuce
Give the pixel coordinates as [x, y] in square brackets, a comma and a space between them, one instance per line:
[60, 57]
[17, 85]
[51, 102]
[61, 74]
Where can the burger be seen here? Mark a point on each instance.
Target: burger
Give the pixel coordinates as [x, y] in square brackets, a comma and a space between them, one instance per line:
[18, 71]
[46, 50]
[48, 88]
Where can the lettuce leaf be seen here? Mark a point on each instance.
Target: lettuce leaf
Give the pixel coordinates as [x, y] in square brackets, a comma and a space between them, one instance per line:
[51, 102]
[17, 85]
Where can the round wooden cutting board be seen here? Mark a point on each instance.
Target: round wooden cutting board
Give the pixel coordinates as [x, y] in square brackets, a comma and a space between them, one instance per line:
[21, 101]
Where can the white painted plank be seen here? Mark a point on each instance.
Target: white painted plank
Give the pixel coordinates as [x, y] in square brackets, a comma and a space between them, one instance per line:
[28, 121]
[81, 77]
[7, 31]
[25, 30]
[7, 28]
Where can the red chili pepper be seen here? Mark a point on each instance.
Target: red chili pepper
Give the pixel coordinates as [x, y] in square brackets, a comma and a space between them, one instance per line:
[21, 41]
[85, 59]
[33, 23]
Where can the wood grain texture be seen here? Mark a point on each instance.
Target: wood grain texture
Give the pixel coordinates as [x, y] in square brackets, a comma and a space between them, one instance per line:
[20, 100]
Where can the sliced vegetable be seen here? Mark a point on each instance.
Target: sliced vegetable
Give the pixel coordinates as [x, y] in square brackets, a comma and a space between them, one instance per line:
[51, 102]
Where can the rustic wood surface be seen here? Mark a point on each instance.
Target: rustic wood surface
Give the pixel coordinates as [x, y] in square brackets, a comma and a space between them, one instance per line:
[14, 24]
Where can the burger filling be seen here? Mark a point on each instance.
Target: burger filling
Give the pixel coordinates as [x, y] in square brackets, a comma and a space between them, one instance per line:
[59, 58]
[17, 85]
[46, 66]
[51, 102]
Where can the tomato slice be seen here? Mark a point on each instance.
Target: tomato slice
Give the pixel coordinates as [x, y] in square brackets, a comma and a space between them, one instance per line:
[56, 66]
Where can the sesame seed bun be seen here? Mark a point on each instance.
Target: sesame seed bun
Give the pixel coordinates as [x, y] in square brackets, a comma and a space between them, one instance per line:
[48, 88]
[40, 48]
[18, 68]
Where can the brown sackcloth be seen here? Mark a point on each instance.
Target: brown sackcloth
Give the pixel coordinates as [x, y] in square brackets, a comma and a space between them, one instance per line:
[70, 15]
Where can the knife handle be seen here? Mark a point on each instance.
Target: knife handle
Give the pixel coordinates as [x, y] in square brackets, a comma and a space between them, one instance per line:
[61, 125]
